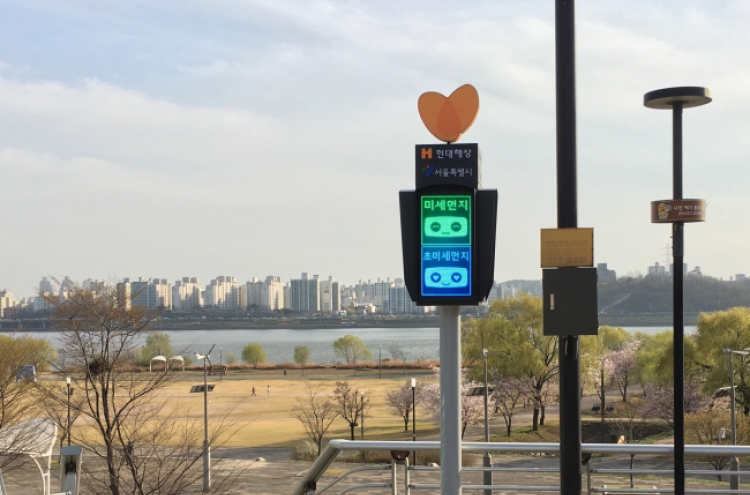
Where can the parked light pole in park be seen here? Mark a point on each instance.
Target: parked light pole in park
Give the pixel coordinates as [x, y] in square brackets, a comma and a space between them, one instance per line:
[484, 391]
[734, 463]
[603, 393]
[206, 445]
[414, 418]
[362, 407]
[677, 211]
[68, 392]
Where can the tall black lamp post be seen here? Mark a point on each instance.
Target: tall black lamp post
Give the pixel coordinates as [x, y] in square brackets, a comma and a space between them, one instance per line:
[678, 211]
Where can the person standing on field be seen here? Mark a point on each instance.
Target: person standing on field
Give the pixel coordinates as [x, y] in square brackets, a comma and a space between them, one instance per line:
[269, 389]
[253, 393]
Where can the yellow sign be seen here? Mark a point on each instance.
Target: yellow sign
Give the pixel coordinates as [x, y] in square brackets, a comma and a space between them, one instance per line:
[448, 118]
[562, 248]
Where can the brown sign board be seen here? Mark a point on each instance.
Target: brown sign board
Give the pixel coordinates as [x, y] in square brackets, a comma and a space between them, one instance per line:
[563, 248]
[678, 210]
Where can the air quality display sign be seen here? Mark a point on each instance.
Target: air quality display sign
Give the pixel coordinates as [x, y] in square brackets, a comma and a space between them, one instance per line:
[446, 247]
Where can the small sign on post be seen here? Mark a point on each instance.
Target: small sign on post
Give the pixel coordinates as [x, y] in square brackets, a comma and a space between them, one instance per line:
[678, 210]
[564, 248]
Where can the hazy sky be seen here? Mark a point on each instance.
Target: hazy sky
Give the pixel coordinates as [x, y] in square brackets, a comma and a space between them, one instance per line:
[249, 138]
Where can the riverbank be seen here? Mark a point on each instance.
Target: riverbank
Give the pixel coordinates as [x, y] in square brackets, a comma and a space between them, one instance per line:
[663, 320]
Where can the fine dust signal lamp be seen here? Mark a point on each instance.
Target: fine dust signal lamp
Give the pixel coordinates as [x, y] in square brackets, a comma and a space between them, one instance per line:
[448, 223]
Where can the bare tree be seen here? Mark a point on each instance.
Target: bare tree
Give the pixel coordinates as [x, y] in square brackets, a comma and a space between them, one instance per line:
[316, 413]
[400, 401]
[507, 395]
[143, 448]
[350, 404]
[398, 354]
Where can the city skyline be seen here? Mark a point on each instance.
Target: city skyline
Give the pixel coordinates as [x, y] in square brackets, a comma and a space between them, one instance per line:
[274, 136]
[206, 281]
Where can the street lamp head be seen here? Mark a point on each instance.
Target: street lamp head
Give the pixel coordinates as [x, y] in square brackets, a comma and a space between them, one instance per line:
[413, 382]
[688, 96]
[484, 352]
[67, 380]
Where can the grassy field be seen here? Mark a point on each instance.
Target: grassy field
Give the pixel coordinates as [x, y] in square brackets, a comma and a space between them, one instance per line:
[265, 420]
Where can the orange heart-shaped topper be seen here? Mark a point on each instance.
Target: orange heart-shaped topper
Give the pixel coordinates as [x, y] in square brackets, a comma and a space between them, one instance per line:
[448, 118]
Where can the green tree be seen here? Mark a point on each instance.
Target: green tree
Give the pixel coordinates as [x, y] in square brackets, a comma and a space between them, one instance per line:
[721, 330]
[351, 348]
[613, 338]
[513, 333]
[302, 356]
[157, 344]
[254, 354]
[655, 360]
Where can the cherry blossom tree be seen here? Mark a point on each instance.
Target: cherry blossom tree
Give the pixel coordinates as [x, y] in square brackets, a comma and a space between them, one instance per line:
[508, 393]
[619, 367]
[472, 408]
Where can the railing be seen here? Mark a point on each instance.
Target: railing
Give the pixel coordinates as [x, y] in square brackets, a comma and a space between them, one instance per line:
[308, 485]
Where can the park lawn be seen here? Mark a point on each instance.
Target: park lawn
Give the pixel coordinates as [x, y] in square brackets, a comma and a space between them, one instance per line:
[266, 419]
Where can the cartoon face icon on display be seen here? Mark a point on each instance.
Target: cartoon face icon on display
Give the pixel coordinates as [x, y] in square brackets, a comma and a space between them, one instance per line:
[446, 227]
[446, 277]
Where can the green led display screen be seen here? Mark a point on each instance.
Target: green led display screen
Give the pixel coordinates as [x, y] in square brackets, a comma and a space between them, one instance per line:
[446, 245]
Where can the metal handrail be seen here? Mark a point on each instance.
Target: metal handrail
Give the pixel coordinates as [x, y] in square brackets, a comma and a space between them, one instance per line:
[329, 454]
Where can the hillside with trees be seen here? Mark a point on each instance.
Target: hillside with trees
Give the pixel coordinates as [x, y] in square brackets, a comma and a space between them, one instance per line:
[653, 294]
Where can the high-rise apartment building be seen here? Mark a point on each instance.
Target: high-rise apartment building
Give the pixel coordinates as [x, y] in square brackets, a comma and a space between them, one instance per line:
[305, 294]
[399, 301]
[150, 293]
[7, 303]
[187, 294]
[330, 296]
[272, 297]
[223, 293]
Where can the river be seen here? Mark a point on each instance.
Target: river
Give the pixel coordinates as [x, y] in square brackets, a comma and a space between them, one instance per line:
[417, 343]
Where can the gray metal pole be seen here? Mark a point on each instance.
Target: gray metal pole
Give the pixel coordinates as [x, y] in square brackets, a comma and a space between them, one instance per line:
[604, 439]
[206, 445]
[734, 463]
[450, 400]
[414, 419]
[487, 457]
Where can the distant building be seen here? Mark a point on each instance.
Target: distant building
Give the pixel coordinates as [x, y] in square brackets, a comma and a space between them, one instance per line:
[696, 272]
[45, 285]
[187, 294]
[7, 304]
[305, 294]
[513, 288]
[604, 274]
[330, 296]
[399, 300]
[150, 293]
[657, 270]
[267, 295]
[222, 293]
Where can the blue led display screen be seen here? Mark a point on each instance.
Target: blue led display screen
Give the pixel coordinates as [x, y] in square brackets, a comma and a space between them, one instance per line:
[446, 250]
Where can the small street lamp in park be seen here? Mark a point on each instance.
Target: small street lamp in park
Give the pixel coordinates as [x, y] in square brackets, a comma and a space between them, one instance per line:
[414, 418]
[734, 463]
[362, 407]
[206, 444]
[68, 391]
